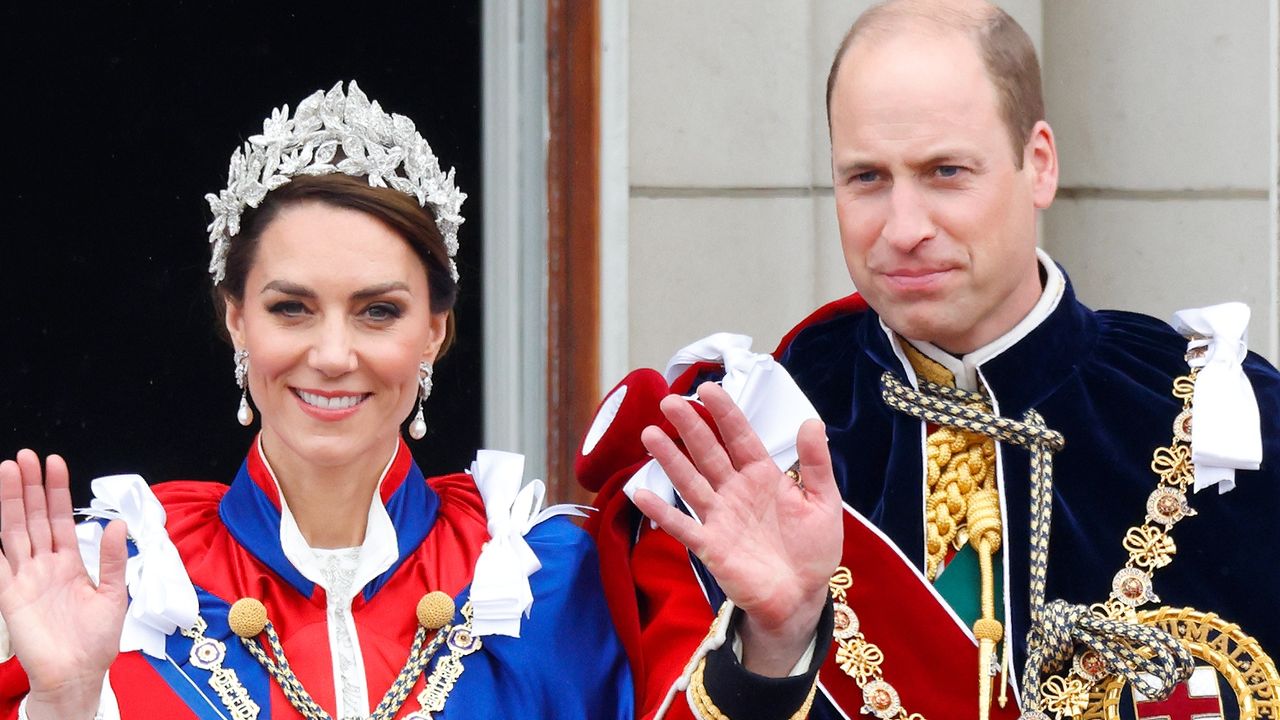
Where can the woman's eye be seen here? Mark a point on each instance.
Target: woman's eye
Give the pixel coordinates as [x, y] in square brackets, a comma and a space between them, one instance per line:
[288, 308]
[383, 311]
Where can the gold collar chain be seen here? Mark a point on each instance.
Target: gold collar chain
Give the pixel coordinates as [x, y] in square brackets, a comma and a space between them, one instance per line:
[1149, 546]
[248, 619]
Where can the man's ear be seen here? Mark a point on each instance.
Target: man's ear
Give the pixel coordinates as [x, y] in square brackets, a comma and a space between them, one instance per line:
[1040, 158]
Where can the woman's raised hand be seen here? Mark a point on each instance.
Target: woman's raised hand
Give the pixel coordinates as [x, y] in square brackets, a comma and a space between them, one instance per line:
[772, 543]
[64, 630]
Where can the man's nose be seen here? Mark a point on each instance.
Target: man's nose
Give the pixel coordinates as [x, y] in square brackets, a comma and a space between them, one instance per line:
[910, 222]
[333, 352]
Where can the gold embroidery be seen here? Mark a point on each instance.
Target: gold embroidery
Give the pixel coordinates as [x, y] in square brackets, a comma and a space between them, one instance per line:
[208, 654]
[861, 659]
[706, 709]
[1231, 653]
[462, 642]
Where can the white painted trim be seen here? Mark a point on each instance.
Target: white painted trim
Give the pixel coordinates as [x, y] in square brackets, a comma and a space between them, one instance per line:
[514, 145]
[1271, 346]
[614, 192]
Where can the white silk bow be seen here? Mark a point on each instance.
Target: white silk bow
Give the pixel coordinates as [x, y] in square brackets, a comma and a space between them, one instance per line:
[1226, 434]
[774, 405]
[500, 592]
[161, 596]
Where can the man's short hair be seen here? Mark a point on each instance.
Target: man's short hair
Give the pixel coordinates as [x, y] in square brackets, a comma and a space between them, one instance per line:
[1007, 53]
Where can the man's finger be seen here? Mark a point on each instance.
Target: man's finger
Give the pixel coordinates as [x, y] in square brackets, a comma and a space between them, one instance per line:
[13, 516]
[58, 492]
[815, 461]
[692, 485]
[675, 523]
[708, 455]
[740, 439]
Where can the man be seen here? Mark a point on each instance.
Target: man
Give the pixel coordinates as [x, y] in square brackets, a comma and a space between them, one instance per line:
[998, 445]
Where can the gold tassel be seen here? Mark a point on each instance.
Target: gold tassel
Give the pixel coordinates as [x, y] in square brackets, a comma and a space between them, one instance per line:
[985, 535]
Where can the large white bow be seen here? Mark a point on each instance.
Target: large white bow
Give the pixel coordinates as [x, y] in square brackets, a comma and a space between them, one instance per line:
[1226, 434]
[161, 596]
[773, 404]
[500, 592]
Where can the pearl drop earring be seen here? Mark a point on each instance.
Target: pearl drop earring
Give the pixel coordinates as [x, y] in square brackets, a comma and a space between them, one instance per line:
[245, 413]
[418, 428]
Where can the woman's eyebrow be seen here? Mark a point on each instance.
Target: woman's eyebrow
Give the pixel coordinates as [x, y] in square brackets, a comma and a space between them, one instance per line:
[379, 289]
[289, 288]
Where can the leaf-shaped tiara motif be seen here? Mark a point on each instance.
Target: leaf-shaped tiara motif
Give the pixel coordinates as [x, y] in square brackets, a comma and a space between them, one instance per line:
[385, 148]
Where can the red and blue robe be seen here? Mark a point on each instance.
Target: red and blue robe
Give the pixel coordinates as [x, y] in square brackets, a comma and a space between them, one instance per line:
[567, 662]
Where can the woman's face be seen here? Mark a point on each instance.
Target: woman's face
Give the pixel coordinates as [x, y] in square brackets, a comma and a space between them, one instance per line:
[336, 317]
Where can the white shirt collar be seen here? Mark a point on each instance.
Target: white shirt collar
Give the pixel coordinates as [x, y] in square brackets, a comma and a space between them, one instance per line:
[377, 553]
[965, 368]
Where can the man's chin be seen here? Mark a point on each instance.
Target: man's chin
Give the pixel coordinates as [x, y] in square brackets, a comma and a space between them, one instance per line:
[925, 321]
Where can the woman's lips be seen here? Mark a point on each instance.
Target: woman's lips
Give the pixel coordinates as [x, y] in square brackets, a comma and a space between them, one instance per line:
[329, 405]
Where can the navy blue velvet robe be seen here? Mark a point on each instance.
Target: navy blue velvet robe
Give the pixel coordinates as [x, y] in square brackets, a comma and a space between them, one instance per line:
[1102, 379]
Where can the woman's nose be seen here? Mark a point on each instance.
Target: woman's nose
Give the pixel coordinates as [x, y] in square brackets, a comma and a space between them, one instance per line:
[332, 353]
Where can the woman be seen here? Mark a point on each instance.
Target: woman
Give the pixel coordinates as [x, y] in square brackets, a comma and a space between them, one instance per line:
[330, 579]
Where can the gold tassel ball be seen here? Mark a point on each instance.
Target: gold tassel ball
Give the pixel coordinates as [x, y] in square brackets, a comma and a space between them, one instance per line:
[248, 617]
[435, 610]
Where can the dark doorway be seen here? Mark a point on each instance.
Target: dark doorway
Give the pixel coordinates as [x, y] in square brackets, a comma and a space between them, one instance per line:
[119, 117]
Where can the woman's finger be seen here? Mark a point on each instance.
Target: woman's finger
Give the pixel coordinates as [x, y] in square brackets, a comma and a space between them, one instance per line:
[112, 560]
[693, 486]
[62, 522]
[33, 500]
[13, 517]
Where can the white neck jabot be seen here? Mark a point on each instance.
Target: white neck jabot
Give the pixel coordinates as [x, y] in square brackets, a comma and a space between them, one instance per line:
[378, 551]
[965, 368]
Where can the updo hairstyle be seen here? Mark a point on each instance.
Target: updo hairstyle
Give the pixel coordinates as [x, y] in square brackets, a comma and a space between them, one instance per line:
[397, 210]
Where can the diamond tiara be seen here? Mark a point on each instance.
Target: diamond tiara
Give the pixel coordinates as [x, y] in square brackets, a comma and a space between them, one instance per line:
[385, 148]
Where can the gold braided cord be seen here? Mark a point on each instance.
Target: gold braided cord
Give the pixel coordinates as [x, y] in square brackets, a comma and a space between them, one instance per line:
[963, 501]
[958, 464]
[705, 708]
[420, 655]
[1149, 658]
[1149, 546]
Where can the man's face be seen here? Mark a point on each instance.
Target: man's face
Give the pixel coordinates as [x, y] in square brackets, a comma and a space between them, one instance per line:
[937, 221]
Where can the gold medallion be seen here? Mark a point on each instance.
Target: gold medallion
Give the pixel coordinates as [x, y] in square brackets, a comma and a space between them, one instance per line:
[1225, 656]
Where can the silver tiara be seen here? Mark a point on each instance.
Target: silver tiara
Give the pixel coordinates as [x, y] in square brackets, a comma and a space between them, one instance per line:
[387, 149]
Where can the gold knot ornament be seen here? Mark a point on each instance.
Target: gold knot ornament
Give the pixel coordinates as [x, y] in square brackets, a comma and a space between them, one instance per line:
[435, 610]
[248, 617]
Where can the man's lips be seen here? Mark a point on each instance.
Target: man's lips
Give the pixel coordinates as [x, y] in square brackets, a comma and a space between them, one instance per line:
[916, 279]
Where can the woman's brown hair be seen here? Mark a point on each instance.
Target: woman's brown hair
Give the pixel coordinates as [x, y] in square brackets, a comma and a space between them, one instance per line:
[399, 211]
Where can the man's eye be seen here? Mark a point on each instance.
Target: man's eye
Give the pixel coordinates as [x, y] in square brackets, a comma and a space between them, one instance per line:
[948, 171]
[869, 176]
[383, 311]
[288, 308]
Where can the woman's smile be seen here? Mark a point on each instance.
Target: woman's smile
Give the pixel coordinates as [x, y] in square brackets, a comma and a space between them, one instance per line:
[329, 405]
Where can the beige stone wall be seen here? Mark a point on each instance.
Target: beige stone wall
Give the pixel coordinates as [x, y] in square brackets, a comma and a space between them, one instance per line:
[1163, 111]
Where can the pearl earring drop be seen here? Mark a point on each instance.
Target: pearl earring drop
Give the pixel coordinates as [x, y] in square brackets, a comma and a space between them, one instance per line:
[418, 428]
[245, 413]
